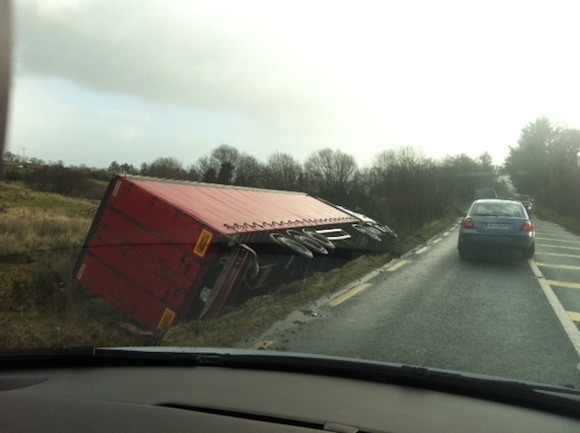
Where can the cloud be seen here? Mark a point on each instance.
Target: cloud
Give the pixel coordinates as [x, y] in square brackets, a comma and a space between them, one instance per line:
[199, 57]
[264, 76]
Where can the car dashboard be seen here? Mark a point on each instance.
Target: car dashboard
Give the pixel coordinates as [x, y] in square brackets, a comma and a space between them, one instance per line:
[143, 398]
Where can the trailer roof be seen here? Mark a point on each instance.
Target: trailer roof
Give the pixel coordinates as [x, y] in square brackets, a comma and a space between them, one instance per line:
[232, 210]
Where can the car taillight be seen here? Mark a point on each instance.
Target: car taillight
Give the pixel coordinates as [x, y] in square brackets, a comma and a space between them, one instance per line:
[468, 224]
[527, 227]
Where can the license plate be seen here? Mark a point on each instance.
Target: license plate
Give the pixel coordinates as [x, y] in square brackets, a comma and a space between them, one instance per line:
[498, 226]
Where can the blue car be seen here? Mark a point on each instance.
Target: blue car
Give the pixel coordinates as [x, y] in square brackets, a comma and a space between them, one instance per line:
[500, 224]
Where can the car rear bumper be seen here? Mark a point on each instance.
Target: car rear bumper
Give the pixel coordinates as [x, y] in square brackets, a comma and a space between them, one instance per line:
[497, 241]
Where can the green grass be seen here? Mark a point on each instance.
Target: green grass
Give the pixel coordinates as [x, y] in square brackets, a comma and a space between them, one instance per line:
[43, 306]
[14, 195]
[33, 222]
[100, 183]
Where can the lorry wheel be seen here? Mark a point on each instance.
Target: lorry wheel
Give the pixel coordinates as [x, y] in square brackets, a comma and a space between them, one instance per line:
[292, 245]
[369, 231]
[384, 229]
[311, 244]
[379, 227]
[320, 238]
[373, 229]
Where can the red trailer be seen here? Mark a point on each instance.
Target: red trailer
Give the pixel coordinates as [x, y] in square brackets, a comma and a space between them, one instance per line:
[162, 250]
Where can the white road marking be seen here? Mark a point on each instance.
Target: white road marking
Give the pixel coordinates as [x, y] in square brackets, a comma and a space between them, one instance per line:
[572, 256]
[566, 241]
[567, 284]
[561, 313]
[558, 246]
[554, 266]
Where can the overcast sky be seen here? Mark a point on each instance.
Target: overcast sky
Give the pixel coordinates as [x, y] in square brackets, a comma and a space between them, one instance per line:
[97, 81]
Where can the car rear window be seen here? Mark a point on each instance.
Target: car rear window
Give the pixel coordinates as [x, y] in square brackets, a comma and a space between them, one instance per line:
[498, 209]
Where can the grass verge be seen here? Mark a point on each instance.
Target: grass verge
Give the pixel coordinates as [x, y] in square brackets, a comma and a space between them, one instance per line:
[42, 306]
[33, 222]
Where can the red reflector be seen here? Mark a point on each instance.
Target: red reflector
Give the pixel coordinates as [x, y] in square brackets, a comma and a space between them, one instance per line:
[468, 224]
[527, 227]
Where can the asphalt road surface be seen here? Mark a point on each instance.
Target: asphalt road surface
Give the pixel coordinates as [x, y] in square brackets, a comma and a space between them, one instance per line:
[494, 314]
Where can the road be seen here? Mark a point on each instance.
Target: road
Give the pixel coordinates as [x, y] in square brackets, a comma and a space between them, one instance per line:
[495, 314]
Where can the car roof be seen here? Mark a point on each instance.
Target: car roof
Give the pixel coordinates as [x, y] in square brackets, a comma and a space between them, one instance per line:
[494, 200]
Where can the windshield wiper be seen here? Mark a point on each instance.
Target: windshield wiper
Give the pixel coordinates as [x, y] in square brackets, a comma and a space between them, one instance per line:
[94, 356]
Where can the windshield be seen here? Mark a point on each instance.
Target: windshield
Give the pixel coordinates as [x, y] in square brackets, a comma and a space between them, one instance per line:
[292, 177]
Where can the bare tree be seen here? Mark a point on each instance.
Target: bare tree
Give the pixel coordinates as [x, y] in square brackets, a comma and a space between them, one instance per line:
[207, 169]
[165, 167]
[284, 172]
[226, 158]
[249, 172]
[329, 172]
[220, 166]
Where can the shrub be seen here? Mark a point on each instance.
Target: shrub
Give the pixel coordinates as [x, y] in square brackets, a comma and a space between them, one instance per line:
[30, 286]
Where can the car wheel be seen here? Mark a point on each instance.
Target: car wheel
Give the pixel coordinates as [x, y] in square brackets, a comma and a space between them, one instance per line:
[529, 252]
[463, 253]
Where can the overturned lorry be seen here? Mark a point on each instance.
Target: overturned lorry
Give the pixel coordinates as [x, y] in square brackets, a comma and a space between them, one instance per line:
[165, 251]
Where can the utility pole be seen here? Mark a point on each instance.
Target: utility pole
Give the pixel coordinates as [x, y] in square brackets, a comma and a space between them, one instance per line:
[23, 154]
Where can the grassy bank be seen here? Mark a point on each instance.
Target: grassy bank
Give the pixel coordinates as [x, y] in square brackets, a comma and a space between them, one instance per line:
[33, 222]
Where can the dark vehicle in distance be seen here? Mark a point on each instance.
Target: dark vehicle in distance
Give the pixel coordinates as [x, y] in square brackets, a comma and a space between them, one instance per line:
[484, 193]
[500, 224]
[526, 200]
